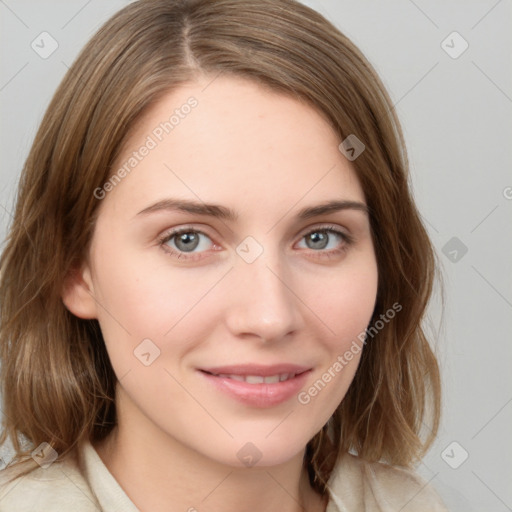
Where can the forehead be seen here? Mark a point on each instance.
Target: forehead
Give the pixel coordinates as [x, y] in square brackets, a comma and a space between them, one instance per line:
[229, 140]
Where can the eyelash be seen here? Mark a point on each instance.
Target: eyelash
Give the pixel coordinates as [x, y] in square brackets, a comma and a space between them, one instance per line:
[347, 240]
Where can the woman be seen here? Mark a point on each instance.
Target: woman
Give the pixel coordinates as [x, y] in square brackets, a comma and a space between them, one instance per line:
[213, 286]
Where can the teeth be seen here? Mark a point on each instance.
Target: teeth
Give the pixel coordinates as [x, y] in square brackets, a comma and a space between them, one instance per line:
[259, 379]
[254, 379]
[234, 377]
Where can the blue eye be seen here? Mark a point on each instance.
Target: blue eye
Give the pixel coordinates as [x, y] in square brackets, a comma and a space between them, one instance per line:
[326, 240]
[183, 241]
[189, 244]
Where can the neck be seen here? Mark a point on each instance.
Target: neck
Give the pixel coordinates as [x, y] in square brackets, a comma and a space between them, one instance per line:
[158, 473]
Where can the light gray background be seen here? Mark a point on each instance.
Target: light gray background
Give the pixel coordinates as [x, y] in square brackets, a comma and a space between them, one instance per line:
[456, 114]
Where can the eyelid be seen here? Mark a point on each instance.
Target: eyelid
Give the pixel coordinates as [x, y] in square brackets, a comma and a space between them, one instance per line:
[173, 232]
[333, 228]
[176, 254]
[325, 227]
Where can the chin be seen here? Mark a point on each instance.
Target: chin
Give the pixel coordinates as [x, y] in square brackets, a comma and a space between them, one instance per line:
[261, 450]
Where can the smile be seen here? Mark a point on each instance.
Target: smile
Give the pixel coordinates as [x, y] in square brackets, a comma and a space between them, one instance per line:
[258, 386]
[258, 379]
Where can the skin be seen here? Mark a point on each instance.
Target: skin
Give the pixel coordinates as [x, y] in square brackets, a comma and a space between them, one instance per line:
[266, 156]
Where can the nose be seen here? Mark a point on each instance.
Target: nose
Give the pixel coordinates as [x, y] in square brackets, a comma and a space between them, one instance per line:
[262, 301]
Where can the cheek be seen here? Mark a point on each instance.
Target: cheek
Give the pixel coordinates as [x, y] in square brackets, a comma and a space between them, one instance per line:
[183, 312]
[345, 307]
[150, 302]
[139, 301]
[161, 302]
[347, 301]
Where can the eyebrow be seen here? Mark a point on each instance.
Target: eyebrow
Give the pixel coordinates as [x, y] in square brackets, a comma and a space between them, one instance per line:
[224, 213]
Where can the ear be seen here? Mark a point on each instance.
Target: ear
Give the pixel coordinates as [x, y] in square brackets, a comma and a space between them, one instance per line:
[78, 293]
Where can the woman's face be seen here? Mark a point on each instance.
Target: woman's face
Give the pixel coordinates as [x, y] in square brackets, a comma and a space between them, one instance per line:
[238, 337]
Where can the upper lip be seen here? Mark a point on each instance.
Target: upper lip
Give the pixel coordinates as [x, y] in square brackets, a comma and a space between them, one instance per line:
[257, 369]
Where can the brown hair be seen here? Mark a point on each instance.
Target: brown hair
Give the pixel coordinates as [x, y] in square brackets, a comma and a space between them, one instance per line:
[57, 381]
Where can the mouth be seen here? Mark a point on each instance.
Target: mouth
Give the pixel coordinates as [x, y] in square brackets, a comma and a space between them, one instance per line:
[256, 379]
[256, 385]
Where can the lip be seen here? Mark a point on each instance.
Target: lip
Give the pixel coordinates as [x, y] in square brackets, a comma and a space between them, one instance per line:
[257, 369]
[262, 394]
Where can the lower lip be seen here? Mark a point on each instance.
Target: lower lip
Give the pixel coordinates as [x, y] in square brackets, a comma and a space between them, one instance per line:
[259, 395]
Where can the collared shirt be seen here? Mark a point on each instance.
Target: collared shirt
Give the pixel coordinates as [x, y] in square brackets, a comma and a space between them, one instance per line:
[354, 486]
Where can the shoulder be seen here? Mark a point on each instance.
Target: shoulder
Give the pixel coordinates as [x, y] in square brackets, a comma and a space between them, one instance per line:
[51, 489]
[357, 484]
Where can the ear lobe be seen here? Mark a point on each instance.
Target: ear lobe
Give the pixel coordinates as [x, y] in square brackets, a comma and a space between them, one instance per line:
[78, 294]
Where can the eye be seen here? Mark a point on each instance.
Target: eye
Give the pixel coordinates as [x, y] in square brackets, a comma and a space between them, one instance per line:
[188, 243]
[185, 241]
[328, 240]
